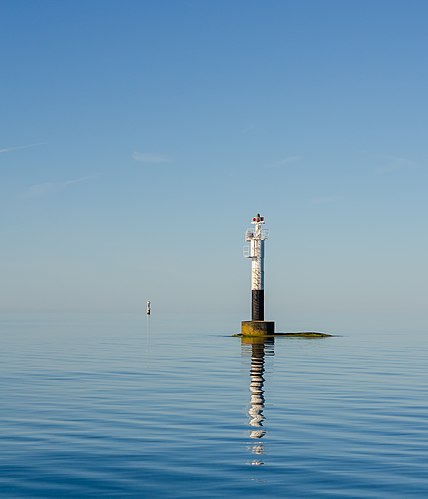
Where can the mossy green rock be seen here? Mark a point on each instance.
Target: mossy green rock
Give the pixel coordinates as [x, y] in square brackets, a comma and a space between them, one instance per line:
[307, 334]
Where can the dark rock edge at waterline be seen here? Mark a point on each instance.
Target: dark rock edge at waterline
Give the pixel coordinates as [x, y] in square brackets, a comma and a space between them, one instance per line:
[308, 334]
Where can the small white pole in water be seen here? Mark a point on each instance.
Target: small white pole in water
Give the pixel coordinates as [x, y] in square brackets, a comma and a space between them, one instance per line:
[148, 311]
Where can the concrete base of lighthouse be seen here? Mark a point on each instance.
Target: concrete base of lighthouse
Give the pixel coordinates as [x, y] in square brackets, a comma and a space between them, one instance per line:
[257, 328]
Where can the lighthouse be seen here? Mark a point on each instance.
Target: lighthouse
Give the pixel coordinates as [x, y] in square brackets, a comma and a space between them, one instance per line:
[255, 250]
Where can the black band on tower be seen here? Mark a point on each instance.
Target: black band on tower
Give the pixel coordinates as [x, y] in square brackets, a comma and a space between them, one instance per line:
[258, 304]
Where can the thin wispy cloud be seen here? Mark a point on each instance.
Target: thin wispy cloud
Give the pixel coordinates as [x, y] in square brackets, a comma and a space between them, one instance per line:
[44, 188]
[249, 128]
[289, 160]
[389, 164]
[143, 157]
[17, 148]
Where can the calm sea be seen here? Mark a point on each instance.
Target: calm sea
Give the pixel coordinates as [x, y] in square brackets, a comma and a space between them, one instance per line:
[108, 407]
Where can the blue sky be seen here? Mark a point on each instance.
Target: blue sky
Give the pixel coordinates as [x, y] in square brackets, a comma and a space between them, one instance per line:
[138, 138]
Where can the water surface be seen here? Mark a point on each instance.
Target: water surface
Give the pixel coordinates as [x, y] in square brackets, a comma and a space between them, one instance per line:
[98, 407]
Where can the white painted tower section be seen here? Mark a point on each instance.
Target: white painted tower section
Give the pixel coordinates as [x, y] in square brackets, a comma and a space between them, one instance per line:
[256, 251]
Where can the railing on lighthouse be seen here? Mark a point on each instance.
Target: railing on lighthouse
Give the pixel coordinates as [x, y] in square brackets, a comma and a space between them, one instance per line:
[255, 249]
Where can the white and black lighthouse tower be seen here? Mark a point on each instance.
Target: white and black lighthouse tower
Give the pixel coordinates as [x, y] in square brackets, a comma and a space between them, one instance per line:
[255, 250]
[256, 238]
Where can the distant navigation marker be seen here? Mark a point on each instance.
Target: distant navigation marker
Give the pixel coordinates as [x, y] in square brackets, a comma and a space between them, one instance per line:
[255, 249]
[148, 309]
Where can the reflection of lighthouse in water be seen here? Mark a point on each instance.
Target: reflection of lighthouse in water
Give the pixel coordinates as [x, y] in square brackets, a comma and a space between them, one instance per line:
[259, 348]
